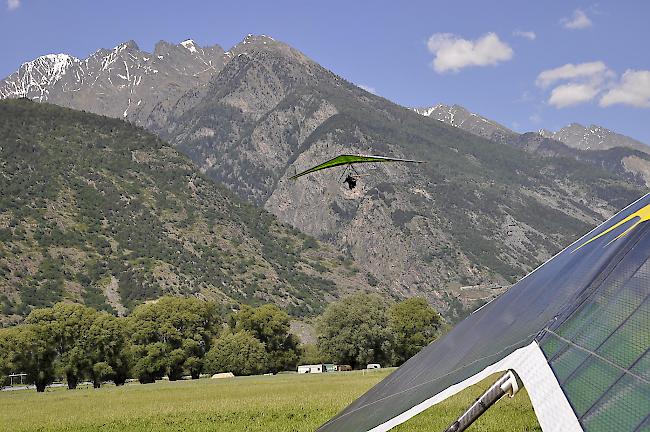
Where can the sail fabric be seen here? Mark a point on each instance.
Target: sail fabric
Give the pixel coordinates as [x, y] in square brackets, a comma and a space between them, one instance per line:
[551, 406]
[350, 160]
[586, 311]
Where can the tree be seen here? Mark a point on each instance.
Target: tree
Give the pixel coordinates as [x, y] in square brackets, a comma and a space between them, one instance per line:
[175, 364]
[240, 353]
[355, 331]
[270, 325]
[7, 352]
[310, 354]
[109, 346]
[181, 330]
[194, 354]
[414, 324]
[102, 371]
[36, 354]
[68, 327]
[149, 362]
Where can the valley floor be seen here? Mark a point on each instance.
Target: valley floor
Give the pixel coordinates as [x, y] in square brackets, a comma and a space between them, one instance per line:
[289, 403]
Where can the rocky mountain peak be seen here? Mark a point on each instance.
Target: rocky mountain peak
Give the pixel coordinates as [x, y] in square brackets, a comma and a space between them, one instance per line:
[129, 45]
[35, 78]
[460, 117]
[593, 137]
[56, 60]
[252, 38]
[162, 47]
[123, 81]
[264, 47]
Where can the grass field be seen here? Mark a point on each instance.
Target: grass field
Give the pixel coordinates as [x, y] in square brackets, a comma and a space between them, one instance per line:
[270, 403]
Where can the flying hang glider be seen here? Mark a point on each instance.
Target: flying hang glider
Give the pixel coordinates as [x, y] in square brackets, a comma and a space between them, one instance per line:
[575, 332]
[349, 161]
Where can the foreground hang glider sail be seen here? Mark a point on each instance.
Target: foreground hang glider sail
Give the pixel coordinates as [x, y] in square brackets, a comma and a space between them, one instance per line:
[350, 160]
[576, 331]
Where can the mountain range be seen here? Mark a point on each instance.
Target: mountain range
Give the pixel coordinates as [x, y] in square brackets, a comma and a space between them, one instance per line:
[489, 205]
[122, 82]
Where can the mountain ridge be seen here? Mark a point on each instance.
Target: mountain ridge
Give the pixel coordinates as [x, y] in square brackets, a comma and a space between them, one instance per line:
[312, 114]
[122, 82]
[575, 135]
[457, 230]
[594, 144]
[460, 117]
[593, 137]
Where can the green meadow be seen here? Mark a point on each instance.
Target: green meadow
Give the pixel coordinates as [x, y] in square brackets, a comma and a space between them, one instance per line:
[261, 403]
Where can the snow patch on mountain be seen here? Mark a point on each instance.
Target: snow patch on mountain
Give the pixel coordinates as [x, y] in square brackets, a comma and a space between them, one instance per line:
[457, 116]
[190, 45]
[119, 82]
[34, 78]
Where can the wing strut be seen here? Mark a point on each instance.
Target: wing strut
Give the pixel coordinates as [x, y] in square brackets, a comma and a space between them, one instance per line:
[507, 384]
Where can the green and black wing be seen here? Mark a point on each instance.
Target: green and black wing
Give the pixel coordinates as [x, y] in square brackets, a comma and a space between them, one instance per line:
[351, 159]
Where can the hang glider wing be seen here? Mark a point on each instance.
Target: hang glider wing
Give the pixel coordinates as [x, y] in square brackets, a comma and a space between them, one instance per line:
[351, 159]
[576, 331]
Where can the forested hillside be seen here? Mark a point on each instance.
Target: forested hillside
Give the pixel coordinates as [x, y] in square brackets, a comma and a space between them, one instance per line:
[101, 212]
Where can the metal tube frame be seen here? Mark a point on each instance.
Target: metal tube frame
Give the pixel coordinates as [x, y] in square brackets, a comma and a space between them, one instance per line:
[508, 384]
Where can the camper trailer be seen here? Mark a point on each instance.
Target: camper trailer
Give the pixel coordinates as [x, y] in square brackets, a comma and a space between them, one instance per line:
[317, 368]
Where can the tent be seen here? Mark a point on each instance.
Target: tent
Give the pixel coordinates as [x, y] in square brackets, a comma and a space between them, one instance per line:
[576, 331]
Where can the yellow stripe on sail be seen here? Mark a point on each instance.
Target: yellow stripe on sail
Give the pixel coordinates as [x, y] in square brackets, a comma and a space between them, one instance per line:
[642, 215]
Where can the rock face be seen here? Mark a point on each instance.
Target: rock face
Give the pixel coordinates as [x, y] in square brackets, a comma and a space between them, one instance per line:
[456, 230]
[472, 220]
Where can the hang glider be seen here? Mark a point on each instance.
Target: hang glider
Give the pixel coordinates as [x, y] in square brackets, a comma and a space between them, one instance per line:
[576, 332]
[350, 160]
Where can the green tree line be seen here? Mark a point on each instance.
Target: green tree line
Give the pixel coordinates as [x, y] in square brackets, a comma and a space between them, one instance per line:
[364, 328]
[176, 337]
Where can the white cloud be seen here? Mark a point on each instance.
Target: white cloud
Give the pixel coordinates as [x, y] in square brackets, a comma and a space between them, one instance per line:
[575, 83]
[453, 53]
[591, 70]
[579, 20]
[633, 89]
[13, 4]
[572, 94]
[530, 35]
[535, 118]
[368, 88]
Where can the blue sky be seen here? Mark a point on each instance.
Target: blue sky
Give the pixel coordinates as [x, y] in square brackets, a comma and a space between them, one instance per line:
[526, 64]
